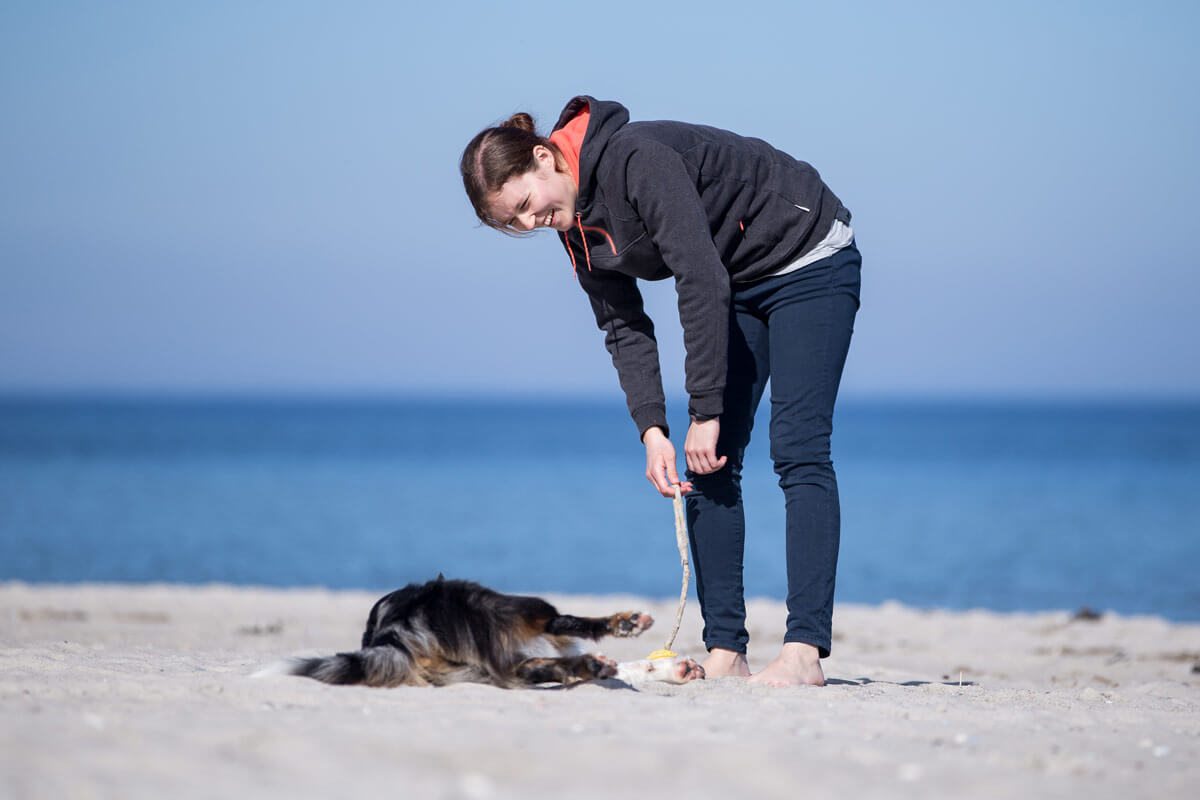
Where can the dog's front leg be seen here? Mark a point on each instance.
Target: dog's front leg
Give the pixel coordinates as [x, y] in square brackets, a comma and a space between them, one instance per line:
[624, 623]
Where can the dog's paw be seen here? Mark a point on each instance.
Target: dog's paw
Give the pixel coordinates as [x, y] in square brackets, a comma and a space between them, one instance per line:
[679, 669]
[686, 669]
[597, 666]
[629, 623]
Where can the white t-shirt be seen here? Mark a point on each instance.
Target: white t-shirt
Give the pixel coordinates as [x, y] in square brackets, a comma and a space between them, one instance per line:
[839, 236]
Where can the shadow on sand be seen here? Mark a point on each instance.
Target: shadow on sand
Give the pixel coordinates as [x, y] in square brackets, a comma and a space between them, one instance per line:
[869, 681]
[614, 683]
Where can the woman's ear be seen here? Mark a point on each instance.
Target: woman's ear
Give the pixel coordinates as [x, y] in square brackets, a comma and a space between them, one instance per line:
[547, 157]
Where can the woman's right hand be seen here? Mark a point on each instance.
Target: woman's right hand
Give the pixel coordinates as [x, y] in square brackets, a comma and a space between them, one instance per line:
[660, 463]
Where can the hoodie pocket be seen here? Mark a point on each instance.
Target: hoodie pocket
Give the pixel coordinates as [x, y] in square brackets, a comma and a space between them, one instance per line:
[776, 226]
[776, 219]
[629, 249]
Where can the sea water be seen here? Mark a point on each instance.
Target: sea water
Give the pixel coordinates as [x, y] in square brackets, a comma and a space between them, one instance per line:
[1008, 506]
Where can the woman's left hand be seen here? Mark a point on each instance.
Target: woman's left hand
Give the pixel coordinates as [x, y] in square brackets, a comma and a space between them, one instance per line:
[700, 448]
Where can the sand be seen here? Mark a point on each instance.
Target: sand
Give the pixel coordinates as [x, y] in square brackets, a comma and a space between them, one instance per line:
[145, 691]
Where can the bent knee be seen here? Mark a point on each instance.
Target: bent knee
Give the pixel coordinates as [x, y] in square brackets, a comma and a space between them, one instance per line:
[816, 471]
[723, 486]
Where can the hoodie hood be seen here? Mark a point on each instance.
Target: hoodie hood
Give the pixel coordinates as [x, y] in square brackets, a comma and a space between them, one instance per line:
[605, 117]
[569, 140]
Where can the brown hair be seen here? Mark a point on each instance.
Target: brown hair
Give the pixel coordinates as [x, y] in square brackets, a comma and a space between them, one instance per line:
[497, 154]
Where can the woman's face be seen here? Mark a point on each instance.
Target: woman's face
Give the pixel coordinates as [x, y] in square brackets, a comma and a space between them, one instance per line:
[540, 198]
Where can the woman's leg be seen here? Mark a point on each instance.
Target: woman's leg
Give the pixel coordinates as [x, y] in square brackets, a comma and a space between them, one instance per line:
[716, 523]
[810, 321]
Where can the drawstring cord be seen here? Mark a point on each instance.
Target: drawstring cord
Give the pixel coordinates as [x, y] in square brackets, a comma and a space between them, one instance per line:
[587, 253]
[571, 253]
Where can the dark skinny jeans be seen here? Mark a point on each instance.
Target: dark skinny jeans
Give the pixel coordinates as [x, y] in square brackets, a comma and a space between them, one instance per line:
[794, 329]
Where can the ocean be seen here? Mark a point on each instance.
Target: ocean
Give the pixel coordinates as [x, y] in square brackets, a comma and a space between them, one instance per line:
[949, 504]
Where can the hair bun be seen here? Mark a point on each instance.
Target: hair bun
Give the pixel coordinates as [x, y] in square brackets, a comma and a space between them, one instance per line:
[521, 121]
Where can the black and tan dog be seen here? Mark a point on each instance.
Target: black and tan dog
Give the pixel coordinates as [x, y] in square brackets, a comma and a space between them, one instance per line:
[449, 631]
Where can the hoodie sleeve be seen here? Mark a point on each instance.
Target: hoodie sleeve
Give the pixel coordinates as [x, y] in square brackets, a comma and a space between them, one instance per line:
[629, 337]
[664, 194]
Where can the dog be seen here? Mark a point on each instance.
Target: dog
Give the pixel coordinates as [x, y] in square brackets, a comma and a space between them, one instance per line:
[453, 631]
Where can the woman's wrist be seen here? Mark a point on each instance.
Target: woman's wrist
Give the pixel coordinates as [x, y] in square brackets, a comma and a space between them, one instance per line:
[653, 434]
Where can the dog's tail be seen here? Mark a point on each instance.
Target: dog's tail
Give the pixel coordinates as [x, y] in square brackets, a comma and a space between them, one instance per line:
[371, 666]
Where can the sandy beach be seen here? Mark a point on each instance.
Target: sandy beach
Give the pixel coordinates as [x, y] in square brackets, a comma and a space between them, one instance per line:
[145, 691]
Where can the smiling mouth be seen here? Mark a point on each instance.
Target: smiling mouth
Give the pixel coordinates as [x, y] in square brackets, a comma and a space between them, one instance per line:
[549, 220]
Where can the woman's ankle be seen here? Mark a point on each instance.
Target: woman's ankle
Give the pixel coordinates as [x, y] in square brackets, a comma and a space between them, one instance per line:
[722, 662]
[800, 652]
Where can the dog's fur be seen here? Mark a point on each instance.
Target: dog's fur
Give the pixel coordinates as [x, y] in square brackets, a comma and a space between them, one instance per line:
[450, 631]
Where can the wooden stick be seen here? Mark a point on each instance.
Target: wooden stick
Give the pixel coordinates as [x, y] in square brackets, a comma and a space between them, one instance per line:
[681, 540]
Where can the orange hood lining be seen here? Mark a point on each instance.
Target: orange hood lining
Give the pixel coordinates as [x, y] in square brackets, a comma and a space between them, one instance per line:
[569, 140]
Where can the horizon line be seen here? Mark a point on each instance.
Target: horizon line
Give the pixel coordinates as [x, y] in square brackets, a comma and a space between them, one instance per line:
[452, 395]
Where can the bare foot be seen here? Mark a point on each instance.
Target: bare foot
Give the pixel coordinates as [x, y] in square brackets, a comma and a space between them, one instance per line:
[725, 664]
[797, 664]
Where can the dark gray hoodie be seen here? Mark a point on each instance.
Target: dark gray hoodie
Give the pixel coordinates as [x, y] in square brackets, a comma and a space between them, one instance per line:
[704, 206]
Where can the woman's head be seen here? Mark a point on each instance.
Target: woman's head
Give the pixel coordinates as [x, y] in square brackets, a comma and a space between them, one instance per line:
[517, 180]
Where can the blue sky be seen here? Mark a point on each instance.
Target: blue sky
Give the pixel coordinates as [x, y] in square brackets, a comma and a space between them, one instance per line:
[262, 197]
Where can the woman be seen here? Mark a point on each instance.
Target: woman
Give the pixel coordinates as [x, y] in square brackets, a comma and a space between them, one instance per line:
[767, 274]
